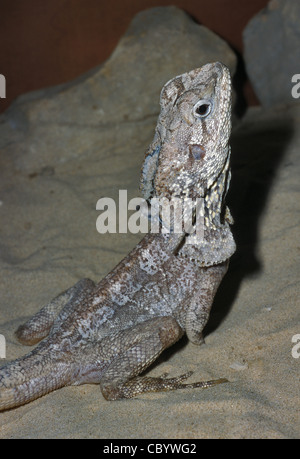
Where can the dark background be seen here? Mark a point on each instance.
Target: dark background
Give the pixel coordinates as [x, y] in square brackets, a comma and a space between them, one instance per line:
[47, 42]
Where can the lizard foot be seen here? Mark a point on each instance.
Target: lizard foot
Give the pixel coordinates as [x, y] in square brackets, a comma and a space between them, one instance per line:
[143, 384]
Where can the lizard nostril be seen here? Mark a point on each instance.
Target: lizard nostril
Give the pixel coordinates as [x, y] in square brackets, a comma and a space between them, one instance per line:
[197, 151]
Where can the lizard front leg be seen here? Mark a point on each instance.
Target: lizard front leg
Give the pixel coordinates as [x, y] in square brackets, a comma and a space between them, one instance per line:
[142, 345]
[199, 309]
[38, 326]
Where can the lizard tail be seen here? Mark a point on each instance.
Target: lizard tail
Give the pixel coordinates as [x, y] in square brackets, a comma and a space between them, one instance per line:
[30, 377]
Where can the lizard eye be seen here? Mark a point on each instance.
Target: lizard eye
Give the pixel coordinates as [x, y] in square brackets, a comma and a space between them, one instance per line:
[202, 108]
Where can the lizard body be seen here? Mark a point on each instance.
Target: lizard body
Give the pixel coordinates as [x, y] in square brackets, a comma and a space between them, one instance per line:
[110, 332]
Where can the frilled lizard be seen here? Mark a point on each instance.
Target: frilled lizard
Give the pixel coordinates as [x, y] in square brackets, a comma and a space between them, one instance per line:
[110, 332]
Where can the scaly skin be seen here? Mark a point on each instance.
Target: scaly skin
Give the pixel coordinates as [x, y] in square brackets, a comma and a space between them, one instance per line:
[111, 332]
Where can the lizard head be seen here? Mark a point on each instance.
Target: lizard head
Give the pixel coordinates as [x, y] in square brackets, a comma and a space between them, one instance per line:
[190, 146]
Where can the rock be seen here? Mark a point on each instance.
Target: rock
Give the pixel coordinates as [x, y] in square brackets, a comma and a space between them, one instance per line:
[272, 52]
[159, 44]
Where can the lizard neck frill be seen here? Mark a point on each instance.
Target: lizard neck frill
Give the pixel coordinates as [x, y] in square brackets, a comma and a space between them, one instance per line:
[215, 243]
